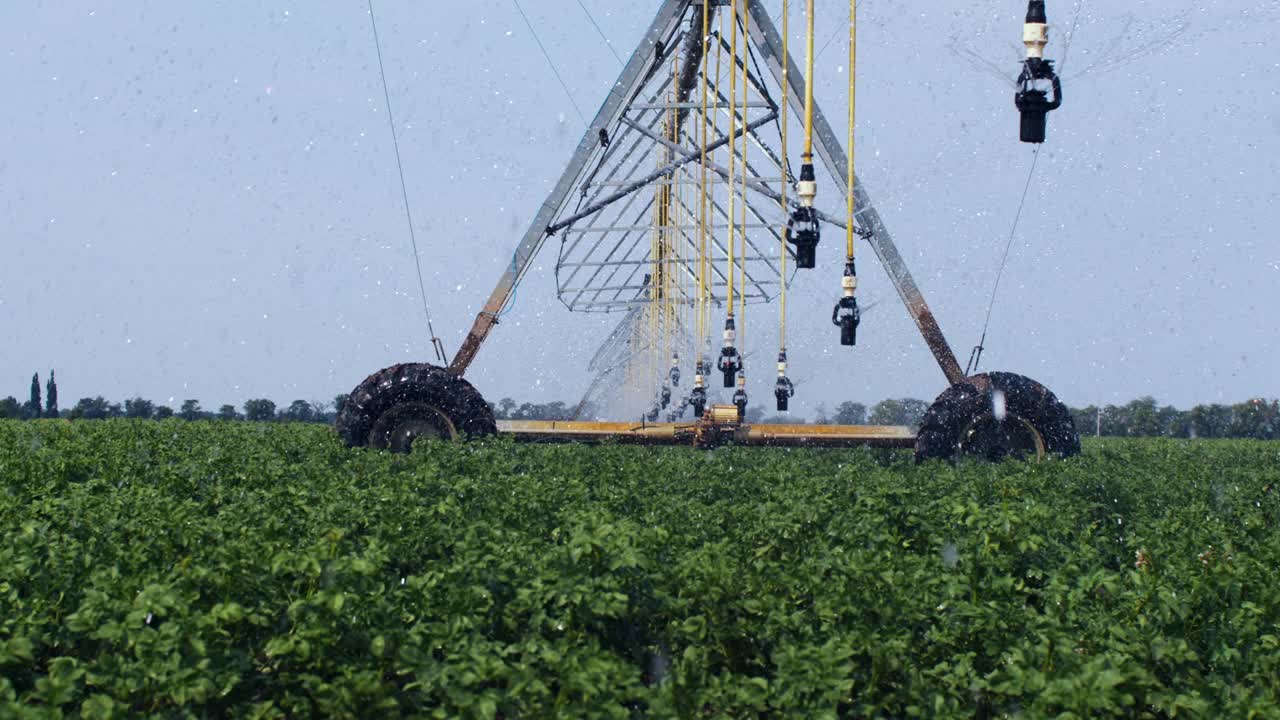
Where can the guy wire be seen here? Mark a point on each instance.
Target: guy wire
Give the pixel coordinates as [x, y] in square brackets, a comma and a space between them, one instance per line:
[404, 189]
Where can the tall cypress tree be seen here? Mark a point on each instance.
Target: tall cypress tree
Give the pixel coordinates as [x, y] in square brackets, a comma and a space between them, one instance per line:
[51, 397]
[33, 405]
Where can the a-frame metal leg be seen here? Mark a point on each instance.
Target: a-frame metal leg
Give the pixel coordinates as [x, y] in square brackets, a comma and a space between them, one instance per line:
[765, 37]
[629, 83]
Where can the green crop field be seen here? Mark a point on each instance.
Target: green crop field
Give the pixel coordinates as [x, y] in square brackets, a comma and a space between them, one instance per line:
[214, 569]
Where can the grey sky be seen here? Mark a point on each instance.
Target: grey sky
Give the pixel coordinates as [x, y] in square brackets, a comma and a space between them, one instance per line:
[199, 199]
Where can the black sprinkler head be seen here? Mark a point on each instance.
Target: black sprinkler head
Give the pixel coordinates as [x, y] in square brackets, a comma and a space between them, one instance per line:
[782, 392]
[740, 399]
[698, 400]
[730, 365]
[847, 316]
[804, 232]
[1034, 126]
[1035, 104]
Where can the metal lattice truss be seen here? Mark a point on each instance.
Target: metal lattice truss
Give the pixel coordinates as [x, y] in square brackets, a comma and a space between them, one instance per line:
[629, 215]
[646, 213]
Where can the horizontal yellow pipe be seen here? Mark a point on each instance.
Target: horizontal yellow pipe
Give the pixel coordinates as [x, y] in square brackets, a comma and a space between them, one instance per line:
[685, 433]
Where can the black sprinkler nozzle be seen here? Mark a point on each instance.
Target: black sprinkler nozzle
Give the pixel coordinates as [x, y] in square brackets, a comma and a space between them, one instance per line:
[740, 399]
[698, 400]
[804, 232]
[1033, 103]
[782, 392]
[730, 364]
[849, 322]
[847, 316]
[677, 410]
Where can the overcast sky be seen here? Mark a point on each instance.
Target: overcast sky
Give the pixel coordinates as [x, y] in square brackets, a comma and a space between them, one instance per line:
[199, 199]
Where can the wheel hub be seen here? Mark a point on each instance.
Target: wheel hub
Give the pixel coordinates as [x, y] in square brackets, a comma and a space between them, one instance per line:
[995, 440]
[400, 426]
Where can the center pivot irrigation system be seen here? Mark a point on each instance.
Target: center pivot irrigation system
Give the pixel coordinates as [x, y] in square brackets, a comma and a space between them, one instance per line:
[679, 209]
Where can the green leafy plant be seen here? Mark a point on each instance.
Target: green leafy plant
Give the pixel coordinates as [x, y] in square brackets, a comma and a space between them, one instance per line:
[213, 569]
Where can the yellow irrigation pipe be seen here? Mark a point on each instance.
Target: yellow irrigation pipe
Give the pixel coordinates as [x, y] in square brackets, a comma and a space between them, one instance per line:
[782, 234]
[669, 257]
[702, 216]
[733, 149]
[746, 146]
[853, 101]
[808, 90]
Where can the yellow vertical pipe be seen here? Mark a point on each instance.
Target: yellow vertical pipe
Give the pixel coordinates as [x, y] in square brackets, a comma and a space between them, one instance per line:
[702, 212]
[782, 276]
[808, 90]
[746, 107]
[733, 131]
[853, 103]
[715, 132]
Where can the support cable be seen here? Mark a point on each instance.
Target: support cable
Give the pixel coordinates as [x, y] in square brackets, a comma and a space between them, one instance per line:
[550, 62]
[827, 44]
[1071, 34]
[436, 343]
[976, 356]
[604, 37]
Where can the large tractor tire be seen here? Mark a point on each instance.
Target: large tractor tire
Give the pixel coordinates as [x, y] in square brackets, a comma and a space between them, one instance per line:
[995, 416]
[395, 406]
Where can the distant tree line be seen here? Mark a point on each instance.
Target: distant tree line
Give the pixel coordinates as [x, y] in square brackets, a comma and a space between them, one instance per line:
[508, 409]
[1258, 419]
[99, 408]
[34, 407]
